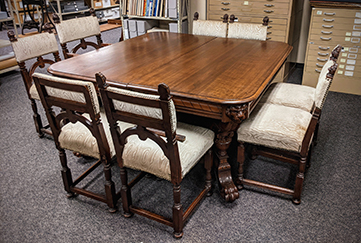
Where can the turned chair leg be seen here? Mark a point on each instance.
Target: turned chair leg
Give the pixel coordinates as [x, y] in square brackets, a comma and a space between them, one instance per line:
[109, 188]
[125, 193]
[66, 173]
[240, 159]
[299, 181]
[37, 119]
[177, 212]
[208, 166]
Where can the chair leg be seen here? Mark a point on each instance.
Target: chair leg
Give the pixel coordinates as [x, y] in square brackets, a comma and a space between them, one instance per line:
[66, 173]
[208, 166]
[299, 181]
[125, 193]
[37, 118]
[240, 159]
[109, 188]
[177, 212]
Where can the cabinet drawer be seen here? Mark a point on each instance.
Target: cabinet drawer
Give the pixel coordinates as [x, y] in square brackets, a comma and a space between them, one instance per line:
[334, 40]
[343, 30]
[240, 11]
[329, 13]
[248, 5]
[276, 38]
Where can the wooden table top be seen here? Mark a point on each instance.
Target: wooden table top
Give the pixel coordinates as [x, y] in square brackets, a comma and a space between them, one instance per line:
[207, 70]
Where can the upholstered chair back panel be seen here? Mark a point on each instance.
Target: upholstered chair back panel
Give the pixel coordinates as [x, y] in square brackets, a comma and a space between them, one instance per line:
[33, 46]
[323, 85]
[144, 110]
[247, 31]
[78, 28]
[210, 28]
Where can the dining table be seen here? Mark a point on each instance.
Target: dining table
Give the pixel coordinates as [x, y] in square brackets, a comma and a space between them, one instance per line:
[218, 80]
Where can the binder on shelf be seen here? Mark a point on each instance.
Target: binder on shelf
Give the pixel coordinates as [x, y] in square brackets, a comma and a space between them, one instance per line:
[173, 27]
[132, 25]
[172, 9]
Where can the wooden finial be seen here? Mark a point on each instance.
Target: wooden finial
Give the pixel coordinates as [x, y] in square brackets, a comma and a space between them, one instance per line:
[196, 16]
[47, 28]
[11, 36]
[92, 12]
[164, 91]
[331, 71]
[232, 18]
[265, 21]
[225, 18]
[101, 80]
[336, 52]
[56, 18]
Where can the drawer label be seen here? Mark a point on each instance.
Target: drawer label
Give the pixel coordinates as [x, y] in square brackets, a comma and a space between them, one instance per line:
[347, 39]
[348, 33]
[343, 60]
[340, 72]
[319, 12]
[345, 48]
[341, 66]
[245, 3]
[348, 73]
[351, 62]
[344, 54]
[350, 68]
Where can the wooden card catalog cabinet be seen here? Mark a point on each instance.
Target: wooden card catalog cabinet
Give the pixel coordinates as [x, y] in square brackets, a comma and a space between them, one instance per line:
[329, 27]
[253, 11]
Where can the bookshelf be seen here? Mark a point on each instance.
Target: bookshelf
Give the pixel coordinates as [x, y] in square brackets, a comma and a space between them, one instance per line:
[166, 15]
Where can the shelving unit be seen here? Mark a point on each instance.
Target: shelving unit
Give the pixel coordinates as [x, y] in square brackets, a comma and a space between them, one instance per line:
[179, 16]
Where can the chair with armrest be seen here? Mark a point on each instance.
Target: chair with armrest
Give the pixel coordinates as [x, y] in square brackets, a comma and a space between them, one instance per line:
[78, 127]
[78, 29]
[282, 133]
[247, 30]
[157, 145]
[210, 27]
[32, 48]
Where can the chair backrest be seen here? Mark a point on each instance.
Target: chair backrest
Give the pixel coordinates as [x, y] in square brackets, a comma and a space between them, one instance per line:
[325, 78]
[210, 27]
[78, 29]
[34, 46]
[247, 30]
[75, 98]
[153, 115]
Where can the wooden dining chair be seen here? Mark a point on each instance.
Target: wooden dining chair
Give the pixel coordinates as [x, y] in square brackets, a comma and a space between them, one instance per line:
[210, 27]
[33, 49]
[283, 133]
[247, 30]
[157, 145]
[78, 127]
[78, 29]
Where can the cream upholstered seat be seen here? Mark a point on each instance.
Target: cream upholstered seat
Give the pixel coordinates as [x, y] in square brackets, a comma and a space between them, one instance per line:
[210, 27]
[283, 133]
[78, 29]
[31, 48]
[154, 146]
[247, 30]
[78, 127]
[301, 96]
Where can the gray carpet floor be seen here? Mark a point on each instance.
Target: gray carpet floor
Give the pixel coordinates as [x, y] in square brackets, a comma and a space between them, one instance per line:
[34, 207]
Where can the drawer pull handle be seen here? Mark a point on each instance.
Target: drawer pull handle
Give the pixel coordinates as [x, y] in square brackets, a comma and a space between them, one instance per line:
[328, 20]
[317, 70]
[325, 39]
[225, 9]
[225, 3]
[355, 40]
[319, 65]
[269, 27]
[269, 5]
[326, 32]
[322, 54]
[330, 14]
[268, 11]
[321, 60]
[268, 33]
[327, 26]
[323, 48]
[268, 38]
